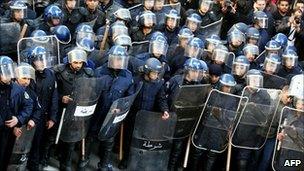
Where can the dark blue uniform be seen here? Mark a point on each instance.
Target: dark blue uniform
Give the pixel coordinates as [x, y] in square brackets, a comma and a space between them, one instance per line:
[14, 102]
[46, 89]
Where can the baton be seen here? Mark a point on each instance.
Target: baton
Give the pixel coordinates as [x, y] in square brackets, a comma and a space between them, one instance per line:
[283, 132]
[83, 148]
[121, 142]
[60, 126]
[105, 36]
[22, 33]
[229, 154]
[187, 153]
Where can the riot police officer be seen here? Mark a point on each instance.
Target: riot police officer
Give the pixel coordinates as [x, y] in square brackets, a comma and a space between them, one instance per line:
[225, 84]
[212, 41]
[251, 51]
[25, 74]
[252, 36]
[260, 22]
[194, 72]
[240, 67]
[271, 47]
[178, 47]
[289, 64]
[193, 22]
[148, 99]
[17, 108]
[46, 90]
[205, 12]
[171, 26]
[236, 40]
[146, 23]
[193, 49]
[118, 83]
[66, 74]
[52, 17]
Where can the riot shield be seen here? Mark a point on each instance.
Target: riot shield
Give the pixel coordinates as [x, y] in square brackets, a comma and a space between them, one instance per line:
[273, 81]
[289, 152]
[21, 149]
[50, 43]
[176, 6]
[77, 114]
[187, 107]
[117, 113]
[139, 47]
[150, 149]
[217, 120]
[213, 28]
[255, 122]
[9, 36]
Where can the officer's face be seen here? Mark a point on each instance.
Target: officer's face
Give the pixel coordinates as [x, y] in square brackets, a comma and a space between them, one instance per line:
[192, 25]
[171, 23]
[254, 82]
[260, 4]
[226, 89]
[270, 67]
[240, 70]
[193, 75]
[39, 65]
[158, 5]
[55, 21]
[18, 15]
[285, 98]
[289, 63]
[252, 41]
[153, 76]
[76, 65]
[236, 42]
[70, 4]
[24, 82]
[149, 4]
[210, 47]
[117, 63]
[283, 6]
[204, 7]
[92, 4]
[183, 42]
[5, 80]
[214, 79]
[300, 104]
[193, 52]
[250, 56]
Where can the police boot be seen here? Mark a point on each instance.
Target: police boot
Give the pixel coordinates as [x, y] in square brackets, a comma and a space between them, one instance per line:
[209, 164]
[105, 167]
[82, 164]
[66, 157]
[194, 159]
[123, 164]
[242, 165]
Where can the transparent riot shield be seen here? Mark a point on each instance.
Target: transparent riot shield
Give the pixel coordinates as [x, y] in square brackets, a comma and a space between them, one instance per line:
[117, 113]
[76, 118]
[255, 122]
[50, 43]
[217, 120]
[289, 152]
[187, 107]
[213, 28]
[9, 36]
[273, 81]
[139, 47]
[150, 149]
[21, 149]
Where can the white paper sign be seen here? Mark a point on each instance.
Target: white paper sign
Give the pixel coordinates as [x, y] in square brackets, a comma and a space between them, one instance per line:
[82, 111]
[120, 118]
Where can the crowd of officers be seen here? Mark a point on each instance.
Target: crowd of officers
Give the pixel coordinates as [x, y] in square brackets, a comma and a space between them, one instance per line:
[257, 37]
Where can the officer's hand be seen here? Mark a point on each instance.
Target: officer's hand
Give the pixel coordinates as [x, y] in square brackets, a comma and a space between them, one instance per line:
[31, 124]
[11, 123]
[280, 136]
[165, 115]
[50, 124]
[66, 99]
[17, 132]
